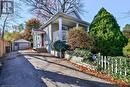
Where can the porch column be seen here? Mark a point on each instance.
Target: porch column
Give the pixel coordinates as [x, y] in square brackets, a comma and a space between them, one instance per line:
[77, 25]
[60, 28]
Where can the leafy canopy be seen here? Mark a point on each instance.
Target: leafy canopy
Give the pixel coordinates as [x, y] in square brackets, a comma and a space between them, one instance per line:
[106, 32]
[11, 36]
[126, 30]
[27, 34]
[33, 23]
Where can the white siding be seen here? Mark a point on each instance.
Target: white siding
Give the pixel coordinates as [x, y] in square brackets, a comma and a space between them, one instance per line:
[48, 38]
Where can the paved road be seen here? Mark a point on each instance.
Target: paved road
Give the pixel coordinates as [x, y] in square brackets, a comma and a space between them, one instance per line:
[25, 69]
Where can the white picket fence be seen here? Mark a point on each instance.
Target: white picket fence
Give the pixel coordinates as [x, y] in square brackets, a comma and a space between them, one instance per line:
[111, 65]
[116, 66]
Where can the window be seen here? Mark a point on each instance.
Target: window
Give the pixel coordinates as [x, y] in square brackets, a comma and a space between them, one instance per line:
[64, 35]
[64, 27]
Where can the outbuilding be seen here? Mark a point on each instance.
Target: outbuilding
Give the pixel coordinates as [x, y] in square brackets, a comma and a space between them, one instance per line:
[20, 44]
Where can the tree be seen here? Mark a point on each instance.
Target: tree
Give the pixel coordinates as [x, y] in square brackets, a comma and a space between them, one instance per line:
[15, 36]
[27, 34]
[11, 36]
[20, 27]
[106, 32]
[4, 25]
[78, 38]
[47, 8]
[126, 30]
[30, 24]
[7, 20]
[7, 36]
[33, 23]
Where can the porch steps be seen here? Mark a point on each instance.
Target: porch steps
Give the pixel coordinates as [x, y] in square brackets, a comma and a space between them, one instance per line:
[41, 50]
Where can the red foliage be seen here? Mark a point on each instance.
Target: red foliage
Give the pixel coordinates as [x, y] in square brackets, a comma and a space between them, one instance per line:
[33, 23]
[78, 38]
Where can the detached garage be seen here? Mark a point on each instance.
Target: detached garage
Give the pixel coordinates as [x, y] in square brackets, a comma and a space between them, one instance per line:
[20, 45]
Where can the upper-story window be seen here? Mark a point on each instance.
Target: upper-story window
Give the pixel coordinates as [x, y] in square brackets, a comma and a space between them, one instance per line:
[64, 32]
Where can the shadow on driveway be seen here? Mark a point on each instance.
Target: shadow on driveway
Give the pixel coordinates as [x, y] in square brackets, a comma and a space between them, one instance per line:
[58, 77]
[17, 71]
[64, 79]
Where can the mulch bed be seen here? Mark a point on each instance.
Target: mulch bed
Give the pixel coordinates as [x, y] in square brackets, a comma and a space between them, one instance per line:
[101, 75]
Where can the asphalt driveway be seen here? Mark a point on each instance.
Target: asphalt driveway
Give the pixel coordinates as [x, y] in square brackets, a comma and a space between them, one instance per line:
[30, 69]
[18, 72]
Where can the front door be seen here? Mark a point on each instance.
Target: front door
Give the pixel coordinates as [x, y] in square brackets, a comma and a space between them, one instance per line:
[42, 37]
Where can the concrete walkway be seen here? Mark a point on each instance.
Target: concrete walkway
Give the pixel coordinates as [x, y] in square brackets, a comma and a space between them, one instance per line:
[57, 72]
[18, 72]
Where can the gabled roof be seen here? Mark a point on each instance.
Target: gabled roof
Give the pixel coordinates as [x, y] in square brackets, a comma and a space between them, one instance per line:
[61, 14]
[21, 40]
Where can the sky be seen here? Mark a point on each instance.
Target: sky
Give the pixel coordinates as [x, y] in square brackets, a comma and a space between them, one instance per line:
[118, 8]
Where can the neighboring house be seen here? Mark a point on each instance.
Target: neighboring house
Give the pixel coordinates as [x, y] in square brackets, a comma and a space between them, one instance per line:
[38, 38]
[56, 28]
[20, 45]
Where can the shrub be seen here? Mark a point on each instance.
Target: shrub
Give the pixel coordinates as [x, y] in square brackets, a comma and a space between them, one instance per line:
[60, 46]
[82, 53]
[126, 30]
[78, 38]
[126, 50]
[86, 54]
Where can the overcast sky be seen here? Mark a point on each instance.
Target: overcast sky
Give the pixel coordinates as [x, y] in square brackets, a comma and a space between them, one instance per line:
[118, 8]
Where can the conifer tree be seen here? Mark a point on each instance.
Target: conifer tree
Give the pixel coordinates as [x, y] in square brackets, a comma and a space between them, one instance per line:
[106, 32]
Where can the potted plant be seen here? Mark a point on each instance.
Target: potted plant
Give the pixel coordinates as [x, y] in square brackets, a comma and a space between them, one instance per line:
[60, 47]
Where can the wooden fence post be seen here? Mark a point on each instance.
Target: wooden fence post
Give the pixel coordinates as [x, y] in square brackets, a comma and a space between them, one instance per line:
[120, 65]
[105, 62]
[108, 64]
[115, 65]
[102, 61]
[99, 59]
[125, 68]
[112, 65]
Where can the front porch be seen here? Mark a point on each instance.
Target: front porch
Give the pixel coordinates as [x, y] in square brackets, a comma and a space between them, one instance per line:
[63, 23]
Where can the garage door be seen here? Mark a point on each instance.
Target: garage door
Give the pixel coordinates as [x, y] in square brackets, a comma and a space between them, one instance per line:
[23, 46]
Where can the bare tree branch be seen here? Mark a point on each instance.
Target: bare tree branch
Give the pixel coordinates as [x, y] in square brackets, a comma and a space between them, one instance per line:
[7, 20]
[47, 8]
